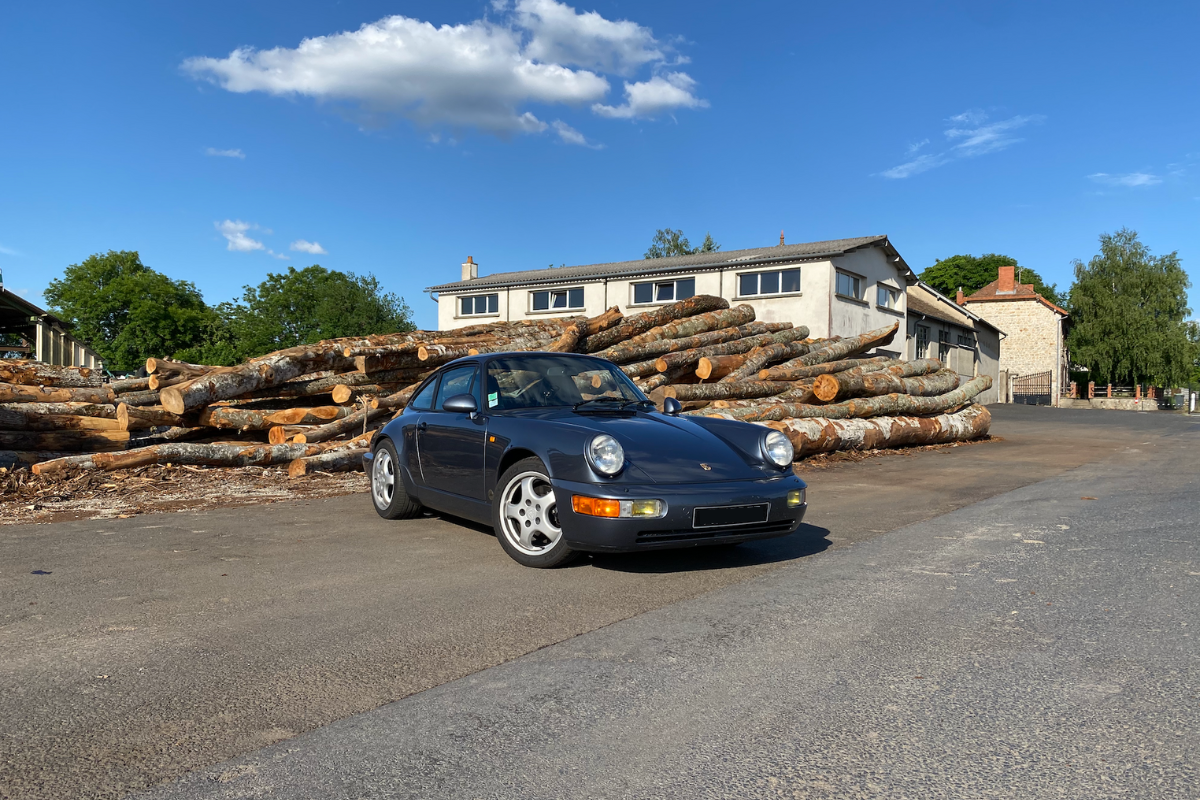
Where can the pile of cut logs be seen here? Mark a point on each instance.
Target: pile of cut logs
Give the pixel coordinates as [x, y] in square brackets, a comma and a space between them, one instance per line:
[315, 407]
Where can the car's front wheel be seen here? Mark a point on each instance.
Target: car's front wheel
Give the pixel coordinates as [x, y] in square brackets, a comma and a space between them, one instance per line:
[525, 516]
[388, 496]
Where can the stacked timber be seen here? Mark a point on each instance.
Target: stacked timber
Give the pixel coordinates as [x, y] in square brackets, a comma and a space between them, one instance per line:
[313, 407]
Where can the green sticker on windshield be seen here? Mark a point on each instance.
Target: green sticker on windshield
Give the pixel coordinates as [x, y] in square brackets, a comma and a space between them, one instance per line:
[493, 400]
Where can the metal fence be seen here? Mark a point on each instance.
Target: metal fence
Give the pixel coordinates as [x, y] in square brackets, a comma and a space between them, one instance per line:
[1033, 390]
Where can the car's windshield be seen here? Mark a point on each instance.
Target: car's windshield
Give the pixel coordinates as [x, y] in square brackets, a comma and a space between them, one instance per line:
[546, 380]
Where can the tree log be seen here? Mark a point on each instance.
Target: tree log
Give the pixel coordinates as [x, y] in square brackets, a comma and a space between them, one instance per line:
[848, 383]
[880, 405]
[684, 328]
[345, 460]
[721, 391]
[235, 418]
[12, 393]
[569, 341]
[279, 434]
[346, 394]
[379, 407]
[769, 354]
[678, 375]
[851, 346]
[159, 381]
[147, 398]
[133, 418]
[870, 384]
[104, 410]
[707, 339]
[782, 373]
[129, 385]
[640, 323]
[693, 356]
[326, 384]
[71, 441]
[166, 366]
[261, 373]
[35, 373]
[640, 369]
[809, 436]
[406, 359]
[15, 459]
[212, 455]
[21, 421]
[716, 367]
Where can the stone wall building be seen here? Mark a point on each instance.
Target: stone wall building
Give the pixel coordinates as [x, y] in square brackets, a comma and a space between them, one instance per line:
[1034, 326]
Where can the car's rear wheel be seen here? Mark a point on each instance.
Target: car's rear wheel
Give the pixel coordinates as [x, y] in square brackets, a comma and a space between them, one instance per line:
[388, 496]
[525, 516]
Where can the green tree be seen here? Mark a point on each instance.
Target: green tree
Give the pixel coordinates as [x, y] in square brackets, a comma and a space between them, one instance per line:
[302, 306]
[126, 311]
[668, 242]
[972, 273]
[1128, 311]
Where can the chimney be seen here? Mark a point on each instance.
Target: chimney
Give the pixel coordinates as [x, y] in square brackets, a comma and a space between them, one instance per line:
[470, 269]
[959, 297]
[1008, 278]
[781, 238]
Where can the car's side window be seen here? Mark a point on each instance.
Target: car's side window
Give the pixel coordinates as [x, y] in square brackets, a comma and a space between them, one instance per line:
[424, 398]
[455, 381]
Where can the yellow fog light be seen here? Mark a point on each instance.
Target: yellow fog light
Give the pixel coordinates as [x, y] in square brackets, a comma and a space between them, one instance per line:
[600, 507]
[642, 508]
[795, 498]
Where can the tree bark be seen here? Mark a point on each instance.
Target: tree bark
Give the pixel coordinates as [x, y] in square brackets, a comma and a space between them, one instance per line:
[167, 366]
[714, 368]
[346, 394]
[261, 373]
[211, 455]
[693, 356]
[848, 383]
[281, 434]
[640, 323]
[129, 385]
[22, 421]
[104, 410]
[870, 384]
[159, 381]
[851, 346]
[721, 391]
[147, 398]
[35, 373]
[769, 354]
[640, 369]
[232, 418]
[579, 331]
[73, 441]
[15, 459]
[707, 339]
[12, 393]
[879, 405]
[782, 373]
[346, 460]
[684, 328]
[676, 375]
[809, 436]
[144, 417]
[356, 421]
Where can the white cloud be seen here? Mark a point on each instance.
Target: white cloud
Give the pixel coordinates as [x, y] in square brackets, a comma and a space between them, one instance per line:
[915, 147]
[7, 251]
[480, 74]
[301, 246]
[234, 153]
[1129, 179]
[234, 231]
[972, 136]
[653, 97]
[569, 135]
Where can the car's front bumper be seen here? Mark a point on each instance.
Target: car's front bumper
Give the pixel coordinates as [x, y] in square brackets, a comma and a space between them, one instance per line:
[675, 528]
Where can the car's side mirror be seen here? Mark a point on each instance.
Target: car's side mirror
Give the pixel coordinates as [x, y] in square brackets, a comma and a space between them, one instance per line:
[461, 404]
[672, 406]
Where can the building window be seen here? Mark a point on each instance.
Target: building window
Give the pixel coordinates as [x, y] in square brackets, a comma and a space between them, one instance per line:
[886, 296]
[786, 281]
[849, 286]
[663, 291]
[480, 304]
[922, 341]
[943, 345]
[966, 340]
[556, 299]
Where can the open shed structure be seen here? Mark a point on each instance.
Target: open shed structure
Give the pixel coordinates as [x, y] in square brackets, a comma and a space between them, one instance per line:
[27, 331]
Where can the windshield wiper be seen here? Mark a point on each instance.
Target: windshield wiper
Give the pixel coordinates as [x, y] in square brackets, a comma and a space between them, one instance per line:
[604, 399]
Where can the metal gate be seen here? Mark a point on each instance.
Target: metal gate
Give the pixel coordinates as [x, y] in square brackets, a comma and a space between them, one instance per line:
[1033, 390]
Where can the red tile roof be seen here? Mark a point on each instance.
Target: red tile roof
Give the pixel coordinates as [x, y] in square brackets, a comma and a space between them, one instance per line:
[1021, 291]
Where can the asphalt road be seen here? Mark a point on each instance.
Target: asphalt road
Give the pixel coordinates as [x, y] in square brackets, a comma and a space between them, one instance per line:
[163, 644]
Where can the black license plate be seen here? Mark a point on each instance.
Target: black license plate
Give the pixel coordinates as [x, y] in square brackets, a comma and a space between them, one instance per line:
[717, 516]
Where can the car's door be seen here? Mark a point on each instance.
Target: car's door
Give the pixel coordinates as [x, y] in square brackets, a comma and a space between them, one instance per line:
[451, 445]
[418, 408]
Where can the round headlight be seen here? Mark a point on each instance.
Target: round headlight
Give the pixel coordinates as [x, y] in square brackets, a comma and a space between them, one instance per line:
[778, 449]
[605, 454]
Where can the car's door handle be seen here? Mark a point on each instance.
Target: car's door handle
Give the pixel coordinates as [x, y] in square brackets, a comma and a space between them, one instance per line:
[422, 426]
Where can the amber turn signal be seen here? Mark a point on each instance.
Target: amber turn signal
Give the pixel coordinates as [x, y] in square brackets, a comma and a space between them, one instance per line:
[595, 506]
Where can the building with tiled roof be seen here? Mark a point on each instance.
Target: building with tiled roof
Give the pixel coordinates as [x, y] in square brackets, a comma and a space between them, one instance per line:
[1035, 343]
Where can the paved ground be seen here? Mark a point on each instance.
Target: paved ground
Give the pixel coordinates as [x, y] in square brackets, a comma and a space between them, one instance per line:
[163, 644]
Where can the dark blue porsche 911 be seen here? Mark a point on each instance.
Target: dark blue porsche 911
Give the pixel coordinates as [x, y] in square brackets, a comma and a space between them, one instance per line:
[561, 453]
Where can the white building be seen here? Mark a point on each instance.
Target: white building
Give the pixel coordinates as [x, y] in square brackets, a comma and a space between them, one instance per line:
[841, 287]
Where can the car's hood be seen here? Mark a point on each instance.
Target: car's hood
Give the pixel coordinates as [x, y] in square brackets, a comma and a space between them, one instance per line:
[666, 449]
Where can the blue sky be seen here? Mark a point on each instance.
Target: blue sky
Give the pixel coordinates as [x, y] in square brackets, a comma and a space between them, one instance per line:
[210, 139]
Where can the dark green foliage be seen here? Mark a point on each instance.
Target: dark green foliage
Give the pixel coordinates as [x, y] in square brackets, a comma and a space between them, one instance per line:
[972, 273]
[667, 242]
[126, 311]
[1129, 312]
[301, 306]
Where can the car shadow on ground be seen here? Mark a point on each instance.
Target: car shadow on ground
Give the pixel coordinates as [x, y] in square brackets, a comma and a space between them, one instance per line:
[806, 541]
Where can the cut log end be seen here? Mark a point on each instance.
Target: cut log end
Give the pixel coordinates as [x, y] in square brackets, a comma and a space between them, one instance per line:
[172, 400]
[342, 393]
[825, 387]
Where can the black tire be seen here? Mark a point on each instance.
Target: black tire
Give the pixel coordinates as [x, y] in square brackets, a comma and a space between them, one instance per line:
[526, 483]
[391, 501]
